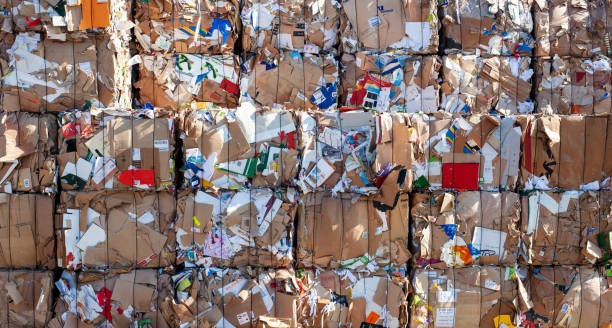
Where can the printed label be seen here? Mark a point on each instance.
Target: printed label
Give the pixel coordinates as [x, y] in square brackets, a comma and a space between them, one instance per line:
[162, 145]
[374, 21]
[446, 296]
[445, 317]
[243, 318]
[491, 284]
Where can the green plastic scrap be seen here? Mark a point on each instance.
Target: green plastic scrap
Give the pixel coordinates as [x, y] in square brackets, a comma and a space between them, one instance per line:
[363, 259]
[421, 182]
[73, 180]
[59, 8]
[416, 300]
[144, 323]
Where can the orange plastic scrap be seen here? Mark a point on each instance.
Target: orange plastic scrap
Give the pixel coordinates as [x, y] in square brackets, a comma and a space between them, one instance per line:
[94, 14]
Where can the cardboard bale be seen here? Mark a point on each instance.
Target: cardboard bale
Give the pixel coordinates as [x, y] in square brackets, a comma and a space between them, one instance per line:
[390, 82]
[577, 28]
[107, 229]
[26, 229]
[465, 297]
[473, 84]
[113, 298]
[554, 153]
[26, 298]
[471, 153]
[565, 228]
[347, 298]
[235, 228]
[28, 143]
[48, 75]
[311, 26]
[216, 297]
[389, 24]
[489, 28]
[351, 232]
[296, 81]
[561, 296]
[170, 26]
[573, 85]
[171, 80]
[109, 149]
[465, 228]
[238, 148]
[58, 20]
[354, 151]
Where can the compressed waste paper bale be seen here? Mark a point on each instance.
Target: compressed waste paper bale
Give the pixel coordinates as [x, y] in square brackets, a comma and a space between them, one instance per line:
[58, 20]
[238, 148]
[554, 152]
[235, 228]
[488, 28]
[352, 298]
[351, 232]
[389, 24]
[52, 76]
[240, 297]
[566, 85]
[465, 228]
[393, 81]
[172, 80]
[311, 26]
[109, 229]
[572, 28]
[565, 228]
[473, 84]
[170, 26]
[471, 153]
[115, 298]
[292, 80]
[561, 296]
[110, 149]
[27, 152]
[356, 151]
[465, 297]
[26, 298]
[27, 231]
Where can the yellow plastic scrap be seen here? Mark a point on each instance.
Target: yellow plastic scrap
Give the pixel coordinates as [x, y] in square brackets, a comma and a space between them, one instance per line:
[503, 321]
